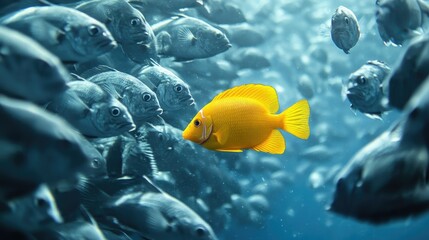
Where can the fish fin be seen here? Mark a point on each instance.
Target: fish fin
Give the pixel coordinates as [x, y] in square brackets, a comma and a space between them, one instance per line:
[185, 35]
[153, 218]
[110, 89]
[92, 197]
[155, 188]
[220, 137]
[424, 6]
[75, 77]
[377, 116]
[87, 216]
[274, 144]
[346, 51]
[295, 119]
[163, 40]
[96, 70]
[229, 150]
[266, 95]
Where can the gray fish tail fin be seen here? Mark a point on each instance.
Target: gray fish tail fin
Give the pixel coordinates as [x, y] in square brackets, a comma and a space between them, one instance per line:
[91, 196]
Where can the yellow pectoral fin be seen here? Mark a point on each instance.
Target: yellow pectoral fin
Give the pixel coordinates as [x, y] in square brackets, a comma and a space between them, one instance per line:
[274, 144]
[220, 137]
[229, 150]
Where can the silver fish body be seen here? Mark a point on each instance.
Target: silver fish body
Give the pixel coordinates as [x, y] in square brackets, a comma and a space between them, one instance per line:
[187, 38]
[69, 34]
[22, 57]
[221, 12]
[345, 31]
[31, 212]
[37, 146]
[172, 92]
[365, 88]
[127, 25]
[94, 113]
[140, 100]
[398, 21]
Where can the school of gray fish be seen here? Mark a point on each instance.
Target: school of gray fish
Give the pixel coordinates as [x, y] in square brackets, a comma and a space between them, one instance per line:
[92, 147]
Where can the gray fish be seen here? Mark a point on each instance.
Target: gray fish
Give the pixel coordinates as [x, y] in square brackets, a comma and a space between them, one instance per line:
[345, 30]
[409, 73]
[249, 58]
[69, 34]
[173, 93]
[244, 35]
[221, 12]
[95, 113]
[187, 38]
[140, 100]
[365, 88]
[387, 179]
[399, 21]
[96, 167]
[30, 212]
[44, 75]
[127, 25]
[153, 214]
[37, 146]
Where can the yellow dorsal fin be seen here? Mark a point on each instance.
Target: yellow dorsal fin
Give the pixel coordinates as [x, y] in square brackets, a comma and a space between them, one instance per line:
[266, 95]
[274, 144]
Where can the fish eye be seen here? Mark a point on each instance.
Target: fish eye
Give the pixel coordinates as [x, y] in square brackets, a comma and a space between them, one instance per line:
[41, 203]
[178, 88]
[135, 22]
[95, 163]
[218, 35]
[146, 97]
[161, 137]
[197, 123]
[361, 80]
[200, 232]
[93, 30]
[347, 20]
[115, 111]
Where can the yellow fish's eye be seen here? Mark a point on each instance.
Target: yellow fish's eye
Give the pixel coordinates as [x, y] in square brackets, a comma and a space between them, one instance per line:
[197, 123]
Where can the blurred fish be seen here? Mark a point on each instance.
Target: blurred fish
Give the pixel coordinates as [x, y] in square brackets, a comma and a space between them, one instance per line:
[18, 55]
[409, 73]
[208, 68]
[251, 58]
[221, 12]
[69, 34]
[173, 93]
[154, 214]
[365, 88]
[244, 35]
[30, 212]
[140, 100]
[167, 5]
[345, 30]
[96, 167]
[37, 146]
[127, 25]
[224, 125]
[95, 113]
[187, 38]
[399, 21]
[387, 179]
[305, 87]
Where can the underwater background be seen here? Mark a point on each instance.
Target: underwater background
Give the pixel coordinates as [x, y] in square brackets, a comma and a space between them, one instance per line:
[297, 56]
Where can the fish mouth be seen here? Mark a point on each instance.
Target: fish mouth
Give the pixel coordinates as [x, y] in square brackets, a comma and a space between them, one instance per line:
[107, 44]
[126, 126]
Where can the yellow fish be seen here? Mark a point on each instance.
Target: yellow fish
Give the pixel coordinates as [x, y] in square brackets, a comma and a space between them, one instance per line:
[244, 117]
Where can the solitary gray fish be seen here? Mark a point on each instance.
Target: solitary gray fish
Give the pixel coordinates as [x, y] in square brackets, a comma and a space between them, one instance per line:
[69, 34]
[244, 35]
[37, 146]
[221, 12]
[127, 25]
[187, 38]
[387, 179]
[249, 58]
[95, 113]
[398, 21]
[140, 100]
[27, 70]
[167, 5]
[173, 93]
[345, 30]
[365, 88]
[409, 74]
[30, 212]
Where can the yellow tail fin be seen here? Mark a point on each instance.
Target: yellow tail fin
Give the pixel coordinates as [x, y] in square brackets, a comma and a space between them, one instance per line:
[295, 119]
